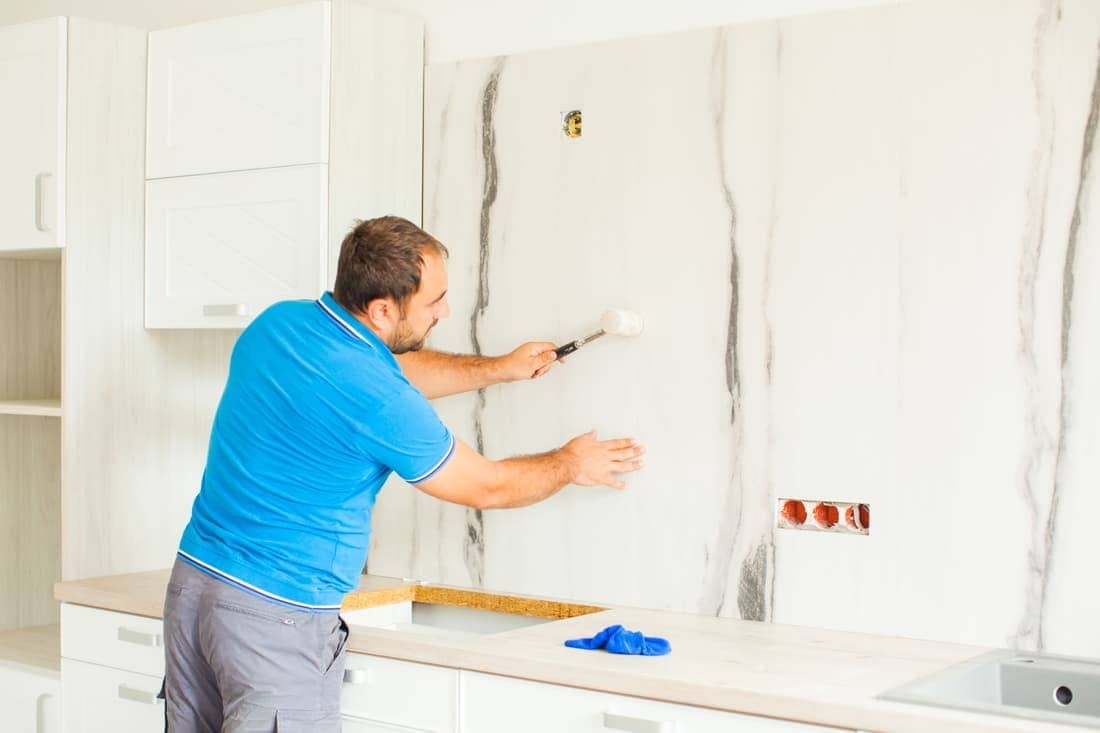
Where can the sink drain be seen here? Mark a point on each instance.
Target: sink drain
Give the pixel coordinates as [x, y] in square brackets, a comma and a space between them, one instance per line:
[1063, 696]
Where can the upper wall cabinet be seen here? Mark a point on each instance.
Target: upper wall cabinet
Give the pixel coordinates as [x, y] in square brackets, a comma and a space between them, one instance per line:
[268, 135]
[240, 93]
[32, 135]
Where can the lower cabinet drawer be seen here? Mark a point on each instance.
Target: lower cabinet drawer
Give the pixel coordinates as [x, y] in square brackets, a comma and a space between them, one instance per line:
[383, 692]
[493, 704]
[97, 699]
[112, 639]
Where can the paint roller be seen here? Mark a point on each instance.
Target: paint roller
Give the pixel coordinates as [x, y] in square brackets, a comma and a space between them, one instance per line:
[617, 322]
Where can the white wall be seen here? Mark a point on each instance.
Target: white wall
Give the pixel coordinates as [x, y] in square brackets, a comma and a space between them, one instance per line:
[459, 29]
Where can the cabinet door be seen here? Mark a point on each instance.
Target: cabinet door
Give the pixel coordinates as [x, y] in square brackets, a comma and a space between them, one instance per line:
[405, 696]
[97, 699]
[220, 248]
[239, 93]
[493, 704]
[32, 135]
[30, 700]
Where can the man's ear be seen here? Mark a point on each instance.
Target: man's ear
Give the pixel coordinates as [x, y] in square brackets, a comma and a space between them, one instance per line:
[382, 313]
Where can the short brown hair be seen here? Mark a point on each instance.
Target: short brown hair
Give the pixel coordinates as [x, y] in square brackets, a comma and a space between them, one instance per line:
[381, 258]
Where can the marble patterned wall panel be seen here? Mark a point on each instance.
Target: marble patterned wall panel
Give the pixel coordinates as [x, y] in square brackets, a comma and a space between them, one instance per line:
[862, 245]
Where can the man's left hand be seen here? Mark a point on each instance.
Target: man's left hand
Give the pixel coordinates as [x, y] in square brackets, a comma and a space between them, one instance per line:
[529, 361]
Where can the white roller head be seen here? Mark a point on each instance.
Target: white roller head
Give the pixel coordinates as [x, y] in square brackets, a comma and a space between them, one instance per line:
[621, 322]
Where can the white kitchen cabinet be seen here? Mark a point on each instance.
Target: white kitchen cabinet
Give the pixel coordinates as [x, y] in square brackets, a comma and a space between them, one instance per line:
[111, 669]
[112, 639]
[238, 93]
[223, 247]
[392, 695]
[30, 699]
[68, 88]
[32, 135]
[268, 135]
[494, 704]
[98, 699]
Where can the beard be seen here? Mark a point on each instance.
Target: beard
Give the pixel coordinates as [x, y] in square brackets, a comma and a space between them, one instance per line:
[405, 340]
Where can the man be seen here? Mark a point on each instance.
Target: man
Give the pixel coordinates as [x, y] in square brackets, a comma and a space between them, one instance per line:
[324, 400]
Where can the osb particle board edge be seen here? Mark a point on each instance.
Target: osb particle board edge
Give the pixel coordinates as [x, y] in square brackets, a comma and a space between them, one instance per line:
[442, 595]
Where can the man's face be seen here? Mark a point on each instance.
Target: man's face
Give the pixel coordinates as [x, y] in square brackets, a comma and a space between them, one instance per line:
[424, 309]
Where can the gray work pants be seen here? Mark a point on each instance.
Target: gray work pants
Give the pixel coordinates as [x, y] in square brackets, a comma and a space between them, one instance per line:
[237, 662]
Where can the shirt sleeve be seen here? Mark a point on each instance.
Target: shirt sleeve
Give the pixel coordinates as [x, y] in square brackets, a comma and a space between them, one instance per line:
[407, 436]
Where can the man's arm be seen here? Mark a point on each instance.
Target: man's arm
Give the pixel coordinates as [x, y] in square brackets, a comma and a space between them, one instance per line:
[438, 374]
[475, 481]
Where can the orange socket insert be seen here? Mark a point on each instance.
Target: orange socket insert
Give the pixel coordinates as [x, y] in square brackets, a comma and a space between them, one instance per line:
[793, 511]
[826, 515]
[860, 519]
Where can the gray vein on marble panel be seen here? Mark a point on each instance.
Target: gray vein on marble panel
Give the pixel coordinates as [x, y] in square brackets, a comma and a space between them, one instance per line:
[1083, 183]
[751, 590]
[433, 208]
[752, 601]
[474, 542]
[717, 570]
[1040, 447]
[414, 542]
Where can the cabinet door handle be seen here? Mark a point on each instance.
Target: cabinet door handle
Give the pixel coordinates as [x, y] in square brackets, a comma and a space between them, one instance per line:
[138, 637]
[39, 202]
[225, 309]
[357, 676]
[42, 711]
[125, 692]
[637, 725]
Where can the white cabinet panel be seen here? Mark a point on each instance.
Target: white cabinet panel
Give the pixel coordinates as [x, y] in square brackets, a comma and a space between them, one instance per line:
[493, 704]
[30, 700]
[355, 725]
[112, 639]
[407, 695]
[239, 93]
[32, 134]
[220, 248]
[97, 699]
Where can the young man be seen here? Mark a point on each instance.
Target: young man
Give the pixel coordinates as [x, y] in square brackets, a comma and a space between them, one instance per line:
[324, 400]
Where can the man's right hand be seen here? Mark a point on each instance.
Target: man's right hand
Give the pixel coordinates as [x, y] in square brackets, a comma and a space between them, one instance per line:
[599, 462]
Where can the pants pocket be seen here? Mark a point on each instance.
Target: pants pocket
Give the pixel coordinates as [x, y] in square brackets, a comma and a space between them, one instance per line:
[336, 647]
[306, 721]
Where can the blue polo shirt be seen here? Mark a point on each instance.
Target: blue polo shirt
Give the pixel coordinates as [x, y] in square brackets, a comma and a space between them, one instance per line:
[315, 415]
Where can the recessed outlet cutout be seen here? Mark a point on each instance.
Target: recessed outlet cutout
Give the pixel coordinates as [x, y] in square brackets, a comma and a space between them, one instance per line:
[821, 515]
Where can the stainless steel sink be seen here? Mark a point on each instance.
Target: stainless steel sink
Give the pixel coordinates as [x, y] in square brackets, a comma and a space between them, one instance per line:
[1034, 686]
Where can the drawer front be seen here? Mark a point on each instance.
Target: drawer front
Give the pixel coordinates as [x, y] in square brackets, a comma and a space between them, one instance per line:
[399, 694]
[97, 699]
[220, 248]
[493, 704]
[112, 639]
[236, 93]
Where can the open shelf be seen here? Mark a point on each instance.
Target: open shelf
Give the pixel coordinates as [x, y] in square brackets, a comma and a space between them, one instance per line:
[42, 408]
[34, 646]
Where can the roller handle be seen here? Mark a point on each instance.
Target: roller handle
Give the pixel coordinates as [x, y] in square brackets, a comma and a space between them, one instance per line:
[568, 349]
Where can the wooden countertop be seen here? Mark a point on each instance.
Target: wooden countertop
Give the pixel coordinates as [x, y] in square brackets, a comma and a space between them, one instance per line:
[795, 673]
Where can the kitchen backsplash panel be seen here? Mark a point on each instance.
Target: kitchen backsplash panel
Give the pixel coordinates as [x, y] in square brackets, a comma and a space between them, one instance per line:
[865, 245]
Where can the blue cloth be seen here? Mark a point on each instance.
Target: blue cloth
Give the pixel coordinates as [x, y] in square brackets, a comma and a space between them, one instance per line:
[315, 415]
[619, 640]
